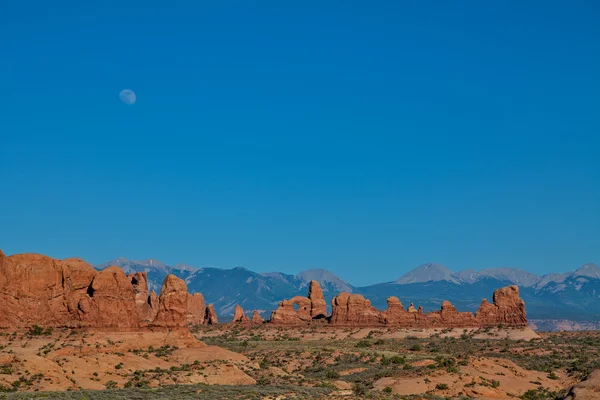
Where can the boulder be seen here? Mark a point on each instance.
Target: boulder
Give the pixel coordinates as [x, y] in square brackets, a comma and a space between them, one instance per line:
[394, 303]
[588, 389]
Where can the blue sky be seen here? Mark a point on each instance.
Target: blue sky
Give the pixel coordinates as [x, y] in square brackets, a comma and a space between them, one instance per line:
[361, 137]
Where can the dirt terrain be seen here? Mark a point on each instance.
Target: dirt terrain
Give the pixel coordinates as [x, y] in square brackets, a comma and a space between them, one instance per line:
[45, 360]
[302, 363]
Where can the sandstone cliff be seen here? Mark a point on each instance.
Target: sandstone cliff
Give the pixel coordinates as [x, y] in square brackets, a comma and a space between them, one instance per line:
[39, 290]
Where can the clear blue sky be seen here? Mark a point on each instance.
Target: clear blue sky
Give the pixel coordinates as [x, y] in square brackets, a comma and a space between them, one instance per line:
[361, 137]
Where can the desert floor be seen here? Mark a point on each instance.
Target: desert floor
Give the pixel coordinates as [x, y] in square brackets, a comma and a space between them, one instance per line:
[242, 362]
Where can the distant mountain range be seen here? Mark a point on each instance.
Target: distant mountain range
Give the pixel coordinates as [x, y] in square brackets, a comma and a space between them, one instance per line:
[571, 296]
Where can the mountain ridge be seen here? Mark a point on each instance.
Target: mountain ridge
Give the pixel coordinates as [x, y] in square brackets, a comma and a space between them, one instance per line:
[427, 272]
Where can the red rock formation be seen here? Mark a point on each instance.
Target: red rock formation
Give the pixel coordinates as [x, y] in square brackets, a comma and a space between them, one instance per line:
[447, 317]
[36, 289]
[396, 314]
[508, 309]
[210, 317]
[143, 301]
[256, 318]
[39, 290]
[153, 302]
[110, 301]
[196, 309]
[286, 313]
[353, 310]
[318, 306]
[239, 315]
[587, 389]
[172, 303]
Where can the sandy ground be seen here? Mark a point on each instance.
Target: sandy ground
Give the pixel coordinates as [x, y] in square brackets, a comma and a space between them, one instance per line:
[482, 378]
[83, 360]
[71, 360]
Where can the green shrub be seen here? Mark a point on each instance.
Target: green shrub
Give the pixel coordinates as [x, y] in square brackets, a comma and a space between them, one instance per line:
[36, 330]
[332, 374]
[360, 389]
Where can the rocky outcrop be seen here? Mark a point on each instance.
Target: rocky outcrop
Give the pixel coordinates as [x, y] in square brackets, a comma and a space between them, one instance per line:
[318, 306]
[301, 310]
[210, 316]
[353, 310]
[256, 318]
[110, 301]
[396, 314]
[35, 289]
[143, 301]
[508, 309]
[153, 302]
[172, 303]
[39, 290]
[196, 309]
[239, 315]
[286, 313]
[588, 389]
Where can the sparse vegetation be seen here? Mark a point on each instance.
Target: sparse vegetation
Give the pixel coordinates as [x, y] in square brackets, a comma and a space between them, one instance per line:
[284, 361]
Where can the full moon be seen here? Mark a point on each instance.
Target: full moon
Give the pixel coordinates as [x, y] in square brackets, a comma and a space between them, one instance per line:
[127, 96]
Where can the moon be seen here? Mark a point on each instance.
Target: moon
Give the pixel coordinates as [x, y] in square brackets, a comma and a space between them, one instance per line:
[127, 96]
